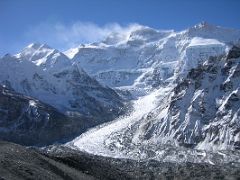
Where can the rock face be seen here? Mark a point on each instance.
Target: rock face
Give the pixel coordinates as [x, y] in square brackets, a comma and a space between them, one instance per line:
[28, 121]
[204, 109]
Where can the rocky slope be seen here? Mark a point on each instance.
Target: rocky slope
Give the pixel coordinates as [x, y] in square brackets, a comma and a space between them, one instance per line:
[17, 162]
[116, 168]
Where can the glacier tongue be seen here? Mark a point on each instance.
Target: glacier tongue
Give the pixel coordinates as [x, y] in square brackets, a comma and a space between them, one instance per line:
[96, 141]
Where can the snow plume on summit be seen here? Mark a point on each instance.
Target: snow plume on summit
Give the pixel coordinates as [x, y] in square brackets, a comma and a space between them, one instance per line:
[64, 36]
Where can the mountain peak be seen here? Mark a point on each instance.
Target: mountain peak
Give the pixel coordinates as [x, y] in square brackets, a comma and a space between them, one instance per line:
[211, 31]
[37, 46]
[34, 45]
[204, 24]
[36, 49]
[42, 54]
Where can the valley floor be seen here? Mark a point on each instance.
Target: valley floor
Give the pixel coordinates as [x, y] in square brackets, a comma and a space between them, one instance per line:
[58, 162]
[120, 168]
[20, 163]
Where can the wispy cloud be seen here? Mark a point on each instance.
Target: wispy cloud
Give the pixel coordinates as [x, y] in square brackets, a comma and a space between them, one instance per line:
[65, 36]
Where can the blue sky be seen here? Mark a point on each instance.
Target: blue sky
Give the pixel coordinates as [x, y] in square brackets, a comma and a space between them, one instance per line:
[66, 23]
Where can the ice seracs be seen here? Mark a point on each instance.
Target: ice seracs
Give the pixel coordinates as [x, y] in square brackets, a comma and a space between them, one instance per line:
[102, 136]
[200, 49]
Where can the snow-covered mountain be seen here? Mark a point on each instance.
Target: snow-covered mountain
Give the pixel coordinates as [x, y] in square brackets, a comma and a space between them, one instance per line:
[189, 84]
[183, 87]
[48, 75]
